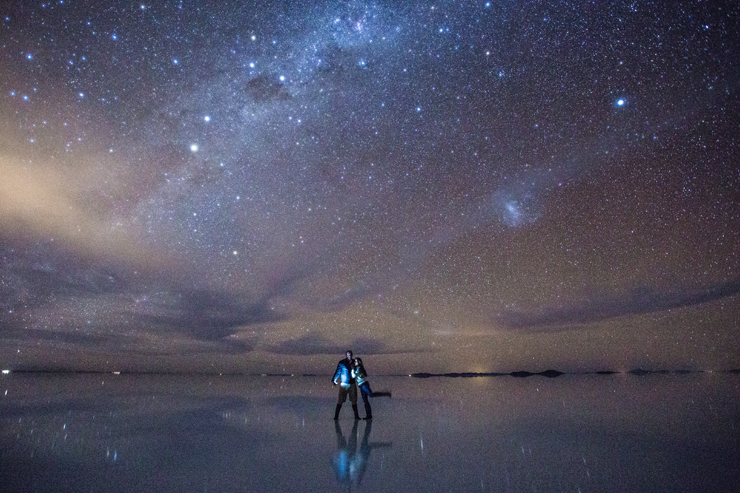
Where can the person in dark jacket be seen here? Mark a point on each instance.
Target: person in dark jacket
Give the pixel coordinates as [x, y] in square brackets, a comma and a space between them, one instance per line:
[360, 376]
[343, 377]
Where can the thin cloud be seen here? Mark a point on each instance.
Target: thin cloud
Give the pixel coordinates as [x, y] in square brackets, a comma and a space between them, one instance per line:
[636, 303]
[309, 345]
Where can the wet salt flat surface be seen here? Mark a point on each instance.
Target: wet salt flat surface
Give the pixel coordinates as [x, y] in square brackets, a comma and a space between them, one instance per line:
[621, 432]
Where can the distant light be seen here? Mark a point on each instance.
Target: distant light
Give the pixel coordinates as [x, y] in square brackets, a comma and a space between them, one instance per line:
[5, 372]
[116, 372]
[194, 147]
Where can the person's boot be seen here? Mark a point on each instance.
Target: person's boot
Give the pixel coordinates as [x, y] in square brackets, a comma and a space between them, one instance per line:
[336, 412]
[354, 408]
[368, 412]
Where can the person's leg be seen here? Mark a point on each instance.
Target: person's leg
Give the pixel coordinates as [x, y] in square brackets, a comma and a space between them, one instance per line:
[366, 392]
[340, 400]
[353, 400]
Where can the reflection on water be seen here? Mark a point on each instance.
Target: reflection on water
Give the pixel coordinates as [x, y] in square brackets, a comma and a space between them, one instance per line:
[618, 432]
[349, 463]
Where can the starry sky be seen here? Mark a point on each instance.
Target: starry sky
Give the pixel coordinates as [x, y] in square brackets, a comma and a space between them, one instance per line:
[441, 186]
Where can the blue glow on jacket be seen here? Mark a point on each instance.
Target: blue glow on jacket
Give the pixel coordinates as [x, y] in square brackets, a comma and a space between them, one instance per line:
[343, 375]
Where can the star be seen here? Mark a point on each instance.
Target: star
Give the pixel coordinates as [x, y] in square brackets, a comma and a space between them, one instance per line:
[361, 111]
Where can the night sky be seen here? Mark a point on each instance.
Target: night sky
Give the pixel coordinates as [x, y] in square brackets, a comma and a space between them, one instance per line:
[450, 186]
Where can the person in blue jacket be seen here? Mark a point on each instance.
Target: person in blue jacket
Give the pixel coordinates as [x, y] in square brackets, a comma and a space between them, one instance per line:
[343, 377]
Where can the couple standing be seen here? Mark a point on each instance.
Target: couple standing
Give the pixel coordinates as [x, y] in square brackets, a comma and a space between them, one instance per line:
[351, 374]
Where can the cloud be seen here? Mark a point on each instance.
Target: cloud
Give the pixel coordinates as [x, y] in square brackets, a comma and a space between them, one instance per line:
[311, 344]
[210, 315]
[55, 203]
[315, 344]
[638, 302]
[306, 345]
[44, 279]
[356, 293]
[60, 242]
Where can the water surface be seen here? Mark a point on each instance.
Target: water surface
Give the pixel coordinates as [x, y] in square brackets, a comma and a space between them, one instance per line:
[621, 432]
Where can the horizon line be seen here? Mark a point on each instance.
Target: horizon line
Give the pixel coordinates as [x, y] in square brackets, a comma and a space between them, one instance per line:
[516, 374]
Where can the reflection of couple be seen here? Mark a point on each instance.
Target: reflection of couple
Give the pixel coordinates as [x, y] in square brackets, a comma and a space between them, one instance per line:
[349, 464]
[351, 374]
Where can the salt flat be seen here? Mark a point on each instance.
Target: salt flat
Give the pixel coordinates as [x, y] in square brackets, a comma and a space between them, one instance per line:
[619, 432]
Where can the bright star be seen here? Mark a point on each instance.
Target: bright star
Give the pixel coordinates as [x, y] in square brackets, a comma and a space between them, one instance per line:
[621, 102]
[194, 147]
[207, 118]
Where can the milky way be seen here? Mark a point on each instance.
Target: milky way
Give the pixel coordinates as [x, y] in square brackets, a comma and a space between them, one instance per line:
[446, 186]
